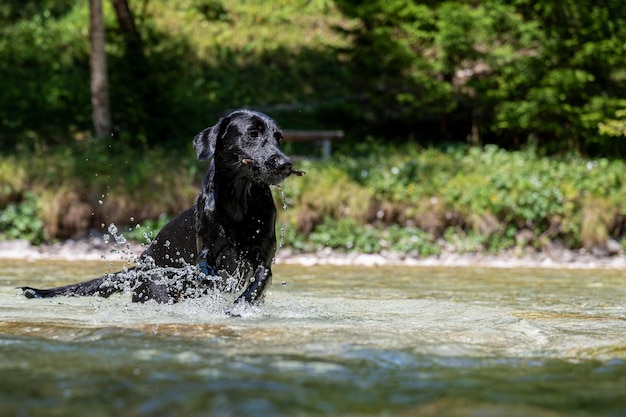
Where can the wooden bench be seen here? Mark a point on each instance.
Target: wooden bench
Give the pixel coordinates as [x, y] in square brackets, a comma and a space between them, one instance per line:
[325, 137]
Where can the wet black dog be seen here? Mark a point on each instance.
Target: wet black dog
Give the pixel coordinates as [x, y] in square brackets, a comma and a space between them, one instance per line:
[227, 241]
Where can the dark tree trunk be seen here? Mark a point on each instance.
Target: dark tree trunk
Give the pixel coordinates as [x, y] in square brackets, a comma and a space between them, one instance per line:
[126, 21]
[135, 74]
[101, 113]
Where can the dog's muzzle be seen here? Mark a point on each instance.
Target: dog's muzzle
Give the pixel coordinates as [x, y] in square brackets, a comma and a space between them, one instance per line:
[276, 170]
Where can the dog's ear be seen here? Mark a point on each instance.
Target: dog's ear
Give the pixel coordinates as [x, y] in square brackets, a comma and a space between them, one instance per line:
[204, 143]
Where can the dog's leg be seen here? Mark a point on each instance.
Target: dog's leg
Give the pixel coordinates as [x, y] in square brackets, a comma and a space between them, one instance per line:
[253, 295]
[148, 289]
[103, 286]
[259, 282]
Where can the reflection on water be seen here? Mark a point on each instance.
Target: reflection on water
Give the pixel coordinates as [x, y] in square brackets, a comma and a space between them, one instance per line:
[329, 341]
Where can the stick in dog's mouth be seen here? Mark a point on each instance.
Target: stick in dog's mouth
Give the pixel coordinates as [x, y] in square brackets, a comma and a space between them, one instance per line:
[293, 171]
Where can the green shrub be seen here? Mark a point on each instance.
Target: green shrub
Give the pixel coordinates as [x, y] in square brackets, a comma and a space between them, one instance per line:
[146, 231]
[369, 198]
[346, 235]
[20, 221]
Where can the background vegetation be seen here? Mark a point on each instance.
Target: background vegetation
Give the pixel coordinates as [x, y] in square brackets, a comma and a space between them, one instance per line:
[470, 125]
[369, 197]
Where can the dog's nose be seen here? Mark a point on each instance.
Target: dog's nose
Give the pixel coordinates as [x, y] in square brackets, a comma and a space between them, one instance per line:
[285, 167]
[281, 164]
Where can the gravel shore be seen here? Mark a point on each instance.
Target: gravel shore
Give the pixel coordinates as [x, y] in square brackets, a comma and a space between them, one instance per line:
[96, 248]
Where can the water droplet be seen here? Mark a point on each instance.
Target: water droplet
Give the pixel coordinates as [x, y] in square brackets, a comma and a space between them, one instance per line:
[283, 229]
[282, 197]
[132, 219]
[100, 202]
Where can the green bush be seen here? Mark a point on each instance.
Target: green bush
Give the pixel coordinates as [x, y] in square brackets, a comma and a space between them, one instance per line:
[482, 198]
[347, 235]
[388, 198]
[146, 231]
[20, 221]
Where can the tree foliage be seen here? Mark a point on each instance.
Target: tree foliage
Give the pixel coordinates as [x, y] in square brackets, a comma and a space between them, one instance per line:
[615, 127]
[502, 72]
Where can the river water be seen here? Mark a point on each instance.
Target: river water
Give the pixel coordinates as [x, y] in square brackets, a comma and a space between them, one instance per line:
[378, 341]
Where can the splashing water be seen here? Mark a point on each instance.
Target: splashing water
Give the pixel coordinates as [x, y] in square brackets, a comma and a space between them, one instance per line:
[283, 226]
[117, 235]
[121, 246]
[185, 280]
[283, 230]
[283, 198]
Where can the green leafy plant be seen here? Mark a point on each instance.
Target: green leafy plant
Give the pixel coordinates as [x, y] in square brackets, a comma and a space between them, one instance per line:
[614, 127]
[147, 230]
[370, 198]
[20, 221]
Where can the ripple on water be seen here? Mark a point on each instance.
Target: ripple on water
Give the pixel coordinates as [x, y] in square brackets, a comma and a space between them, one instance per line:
[351, 341]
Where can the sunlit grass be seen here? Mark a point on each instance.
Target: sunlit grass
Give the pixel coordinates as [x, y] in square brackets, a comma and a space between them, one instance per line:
[368, 198]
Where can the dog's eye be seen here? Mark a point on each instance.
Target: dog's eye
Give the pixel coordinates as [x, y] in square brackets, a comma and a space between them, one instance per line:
[278, 136]
[253, 133]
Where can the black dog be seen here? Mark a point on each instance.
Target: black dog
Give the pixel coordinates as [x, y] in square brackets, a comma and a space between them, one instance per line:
[227, 241]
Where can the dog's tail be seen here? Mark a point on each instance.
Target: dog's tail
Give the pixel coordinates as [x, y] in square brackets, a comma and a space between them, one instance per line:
[103, 286]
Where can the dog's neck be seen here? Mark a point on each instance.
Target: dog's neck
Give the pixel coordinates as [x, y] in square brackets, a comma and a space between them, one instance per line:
[231, 196]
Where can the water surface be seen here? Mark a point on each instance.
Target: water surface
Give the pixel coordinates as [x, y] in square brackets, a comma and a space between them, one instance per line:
[328, 341]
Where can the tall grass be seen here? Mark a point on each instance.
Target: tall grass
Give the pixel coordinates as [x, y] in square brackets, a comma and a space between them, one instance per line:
[370, 197]
[91, 185]
[494, 198]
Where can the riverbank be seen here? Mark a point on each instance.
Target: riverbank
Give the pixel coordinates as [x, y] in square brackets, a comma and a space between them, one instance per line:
[96, 248]
[398, 198]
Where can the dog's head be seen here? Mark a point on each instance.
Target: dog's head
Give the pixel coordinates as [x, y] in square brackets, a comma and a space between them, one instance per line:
[246, 143]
